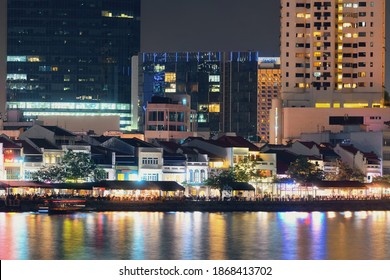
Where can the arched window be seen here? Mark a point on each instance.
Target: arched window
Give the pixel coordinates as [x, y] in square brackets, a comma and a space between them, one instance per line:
[191, 176]
[196, 179]
[202, 175]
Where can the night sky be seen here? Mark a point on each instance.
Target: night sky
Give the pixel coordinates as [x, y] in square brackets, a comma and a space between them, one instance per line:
[217, 25]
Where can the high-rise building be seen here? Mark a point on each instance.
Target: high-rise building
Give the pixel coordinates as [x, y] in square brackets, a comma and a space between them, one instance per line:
[332, 53]
[72, 57]
[269, 87]
[222, 87]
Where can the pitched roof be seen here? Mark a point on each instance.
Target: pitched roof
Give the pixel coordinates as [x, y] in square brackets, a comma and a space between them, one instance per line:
[59, 131]
[8, 143]
[43, 143]
[309, 144]
[350, 148]
[283, 160]
[135, 142]
[28, 148]
[236, 141]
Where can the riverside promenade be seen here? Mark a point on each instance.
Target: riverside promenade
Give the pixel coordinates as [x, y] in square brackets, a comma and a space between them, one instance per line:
[222, 206]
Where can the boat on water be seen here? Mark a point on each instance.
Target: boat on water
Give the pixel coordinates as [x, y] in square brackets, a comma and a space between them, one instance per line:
[63, 206]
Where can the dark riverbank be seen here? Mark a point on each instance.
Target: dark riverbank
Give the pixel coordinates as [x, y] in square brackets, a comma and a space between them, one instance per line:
[224, 206]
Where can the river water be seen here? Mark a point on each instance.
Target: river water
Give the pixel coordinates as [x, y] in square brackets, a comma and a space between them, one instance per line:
[194, 235]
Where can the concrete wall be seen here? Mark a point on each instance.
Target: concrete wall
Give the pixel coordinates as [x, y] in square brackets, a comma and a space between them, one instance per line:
[314, 120]
[99, 124]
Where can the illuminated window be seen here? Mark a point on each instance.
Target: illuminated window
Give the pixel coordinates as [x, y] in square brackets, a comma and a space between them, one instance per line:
[300, 15]
[17, 77]
[34, 59]
[214, 88]
[317, 74]
[54, 69]
[14, 58]
[317, 54]
[322, 105]
[317, 34]
[362, 74]
[170, 77]
[347, 24]
[116, 14]
[214, 78]
[214, 108]
[159, 68]
[317, 64]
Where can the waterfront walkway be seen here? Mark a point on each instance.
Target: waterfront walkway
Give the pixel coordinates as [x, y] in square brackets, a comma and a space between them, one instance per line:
[216, 206]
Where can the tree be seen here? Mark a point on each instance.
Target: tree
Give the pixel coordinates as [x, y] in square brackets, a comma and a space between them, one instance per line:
[382, 179]
[73, 167]
[347, 173]
[246, 171]
[221, 180]
[303, 171]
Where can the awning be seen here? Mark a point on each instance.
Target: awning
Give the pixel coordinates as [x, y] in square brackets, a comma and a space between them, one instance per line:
[20, 184]
[339, 184]
[242, 186]
[141, 185]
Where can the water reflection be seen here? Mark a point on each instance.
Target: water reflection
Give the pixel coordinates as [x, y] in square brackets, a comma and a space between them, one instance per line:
[182, 235]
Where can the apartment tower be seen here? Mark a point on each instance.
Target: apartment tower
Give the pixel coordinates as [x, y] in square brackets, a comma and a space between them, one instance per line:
[332, 53]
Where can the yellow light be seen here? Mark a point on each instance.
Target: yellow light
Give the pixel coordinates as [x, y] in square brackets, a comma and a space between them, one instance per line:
[355, 105]
[336, 105]
[322, 105]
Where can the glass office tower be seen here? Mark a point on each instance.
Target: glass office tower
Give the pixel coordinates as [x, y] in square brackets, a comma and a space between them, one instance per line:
[222, 87]
[72, 57]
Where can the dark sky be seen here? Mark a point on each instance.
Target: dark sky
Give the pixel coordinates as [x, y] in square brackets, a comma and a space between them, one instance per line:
[217, 25]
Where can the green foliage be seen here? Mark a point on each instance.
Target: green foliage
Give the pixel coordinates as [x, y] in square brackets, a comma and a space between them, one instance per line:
[246, 171]
[221, 180]
[303, 171]
[383, 179]
[346, 173]
[73, 167]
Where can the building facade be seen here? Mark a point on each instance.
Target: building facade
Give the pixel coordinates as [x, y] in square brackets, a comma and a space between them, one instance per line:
[72, 57]
[269, 87]
[222, 86]
[332, 53]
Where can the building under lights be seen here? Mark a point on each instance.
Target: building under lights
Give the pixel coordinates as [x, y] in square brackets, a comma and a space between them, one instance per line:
[73, 57]
[223, 87]
[333, 65]
[332, 53]
[269, 88]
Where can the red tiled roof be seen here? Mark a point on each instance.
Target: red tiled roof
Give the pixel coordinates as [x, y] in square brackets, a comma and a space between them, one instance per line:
[350, 148]
[235, 141]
